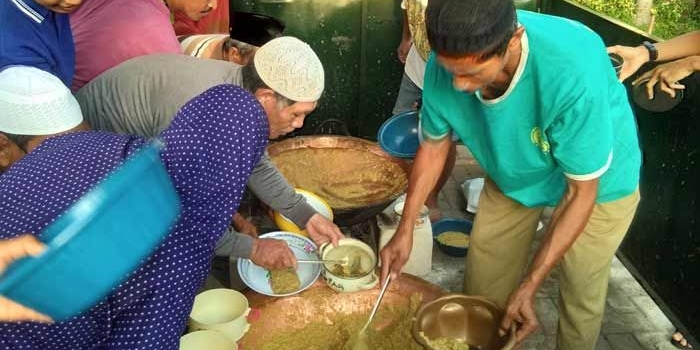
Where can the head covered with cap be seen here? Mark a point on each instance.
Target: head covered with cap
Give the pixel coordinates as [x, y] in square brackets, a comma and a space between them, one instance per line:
[254, 29]
[287, 78]
[291, 68]
[470, 27]
[34, 102]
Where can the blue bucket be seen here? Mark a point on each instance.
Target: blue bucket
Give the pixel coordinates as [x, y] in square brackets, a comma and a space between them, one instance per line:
[451, 224]
[98, 241]
[398, 135]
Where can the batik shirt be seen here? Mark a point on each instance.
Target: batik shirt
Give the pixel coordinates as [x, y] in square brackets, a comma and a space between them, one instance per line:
[211, 148]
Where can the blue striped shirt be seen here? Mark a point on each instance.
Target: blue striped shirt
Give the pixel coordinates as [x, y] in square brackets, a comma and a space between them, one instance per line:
[32, 35]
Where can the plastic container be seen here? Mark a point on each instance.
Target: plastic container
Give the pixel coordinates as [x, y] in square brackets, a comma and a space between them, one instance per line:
[421, 259]
[398, 135]
[472, 191]
[452, 224]
[98, 241]
[316, 202]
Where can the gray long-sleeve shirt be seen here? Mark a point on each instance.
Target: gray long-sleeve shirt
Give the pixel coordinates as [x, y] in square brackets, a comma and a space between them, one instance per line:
[142, 95]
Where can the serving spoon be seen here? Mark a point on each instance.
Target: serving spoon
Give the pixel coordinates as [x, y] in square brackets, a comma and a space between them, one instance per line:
[360, 342]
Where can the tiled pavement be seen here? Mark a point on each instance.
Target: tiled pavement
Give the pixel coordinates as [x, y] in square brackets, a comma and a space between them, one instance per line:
[632, 320]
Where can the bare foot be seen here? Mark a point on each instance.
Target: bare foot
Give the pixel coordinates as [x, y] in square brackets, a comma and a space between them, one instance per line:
[679, 341]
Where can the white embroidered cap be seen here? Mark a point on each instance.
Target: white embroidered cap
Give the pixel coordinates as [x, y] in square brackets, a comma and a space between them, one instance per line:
[291, 68]
[35, 102]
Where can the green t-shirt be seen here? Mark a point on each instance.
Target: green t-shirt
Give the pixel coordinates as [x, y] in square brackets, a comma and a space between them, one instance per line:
[564, 115]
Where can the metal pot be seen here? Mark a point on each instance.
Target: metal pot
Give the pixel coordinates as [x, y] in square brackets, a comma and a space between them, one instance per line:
[361, 212]
[273, 316]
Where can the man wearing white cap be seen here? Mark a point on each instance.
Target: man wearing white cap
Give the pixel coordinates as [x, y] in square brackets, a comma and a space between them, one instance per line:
[211, 148]
[60, 112]
[141, 96]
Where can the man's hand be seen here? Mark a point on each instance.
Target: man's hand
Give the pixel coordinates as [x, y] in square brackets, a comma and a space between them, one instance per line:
[633, 58]
[272, 254]
[322, 230]
[11, 250]
[520, 311]
[395, 254]
[244, 226]
[402, 50]
[667, 75]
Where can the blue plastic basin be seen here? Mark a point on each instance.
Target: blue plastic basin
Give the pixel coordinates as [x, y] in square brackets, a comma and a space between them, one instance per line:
[451, 224]
[98, 241]
[398, 135]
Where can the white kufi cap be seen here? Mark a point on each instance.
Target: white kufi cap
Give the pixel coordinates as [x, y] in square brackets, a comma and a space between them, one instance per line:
[291, 68]
[34, 102]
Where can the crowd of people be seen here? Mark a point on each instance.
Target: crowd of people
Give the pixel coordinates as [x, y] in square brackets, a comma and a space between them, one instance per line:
[131, 83]
[532, 96]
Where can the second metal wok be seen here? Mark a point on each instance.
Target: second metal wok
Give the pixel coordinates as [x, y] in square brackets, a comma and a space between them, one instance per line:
[342, 163]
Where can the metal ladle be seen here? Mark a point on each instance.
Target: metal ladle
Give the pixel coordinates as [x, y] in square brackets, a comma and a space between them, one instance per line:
[360, 342]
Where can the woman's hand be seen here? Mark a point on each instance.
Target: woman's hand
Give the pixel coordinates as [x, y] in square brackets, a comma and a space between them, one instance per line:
[322, 230]
[244, 226]
[11, 250]
[272, 254]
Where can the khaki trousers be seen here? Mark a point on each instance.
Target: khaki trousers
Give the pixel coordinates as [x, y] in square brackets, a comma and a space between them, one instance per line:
[500, 245]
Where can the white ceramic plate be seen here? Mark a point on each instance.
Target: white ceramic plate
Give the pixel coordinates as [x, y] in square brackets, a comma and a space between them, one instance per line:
[258, 278]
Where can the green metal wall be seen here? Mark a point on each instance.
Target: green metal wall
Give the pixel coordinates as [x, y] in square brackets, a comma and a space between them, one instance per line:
[662, 247]
[356, 40]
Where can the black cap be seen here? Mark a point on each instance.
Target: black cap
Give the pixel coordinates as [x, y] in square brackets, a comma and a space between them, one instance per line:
[254, 29]
[458, 27]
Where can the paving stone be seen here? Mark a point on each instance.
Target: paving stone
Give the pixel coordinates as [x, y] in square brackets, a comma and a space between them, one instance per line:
[460, 173]
[624, 341]
[655, 340]
[625, 285]
[617, 302]
[550, 286]
[603, 344]
[654, 315]
[548, 315]
[456, 201]
[539, 342]
[624, 322]
[463, 152]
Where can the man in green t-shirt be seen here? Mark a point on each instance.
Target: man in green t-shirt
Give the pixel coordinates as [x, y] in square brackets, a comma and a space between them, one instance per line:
[537, 102]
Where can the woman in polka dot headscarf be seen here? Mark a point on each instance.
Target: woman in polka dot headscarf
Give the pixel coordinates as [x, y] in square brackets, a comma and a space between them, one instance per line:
[211, 148]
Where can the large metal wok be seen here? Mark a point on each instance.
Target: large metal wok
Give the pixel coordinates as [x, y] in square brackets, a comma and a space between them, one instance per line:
[274, 316]
[394, 172]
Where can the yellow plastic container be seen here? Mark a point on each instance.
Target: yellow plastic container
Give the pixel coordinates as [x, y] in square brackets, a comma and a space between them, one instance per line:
[314, 201]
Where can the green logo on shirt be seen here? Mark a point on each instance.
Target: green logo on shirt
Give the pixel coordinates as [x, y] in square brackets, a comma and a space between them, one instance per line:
[537, 138]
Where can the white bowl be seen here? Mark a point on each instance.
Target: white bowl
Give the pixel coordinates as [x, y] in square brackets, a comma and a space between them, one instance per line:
[223, 310]
[209, 340]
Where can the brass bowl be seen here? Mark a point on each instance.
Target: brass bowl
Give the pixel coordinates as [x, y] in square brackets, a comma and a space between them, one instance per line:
[474, 320]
